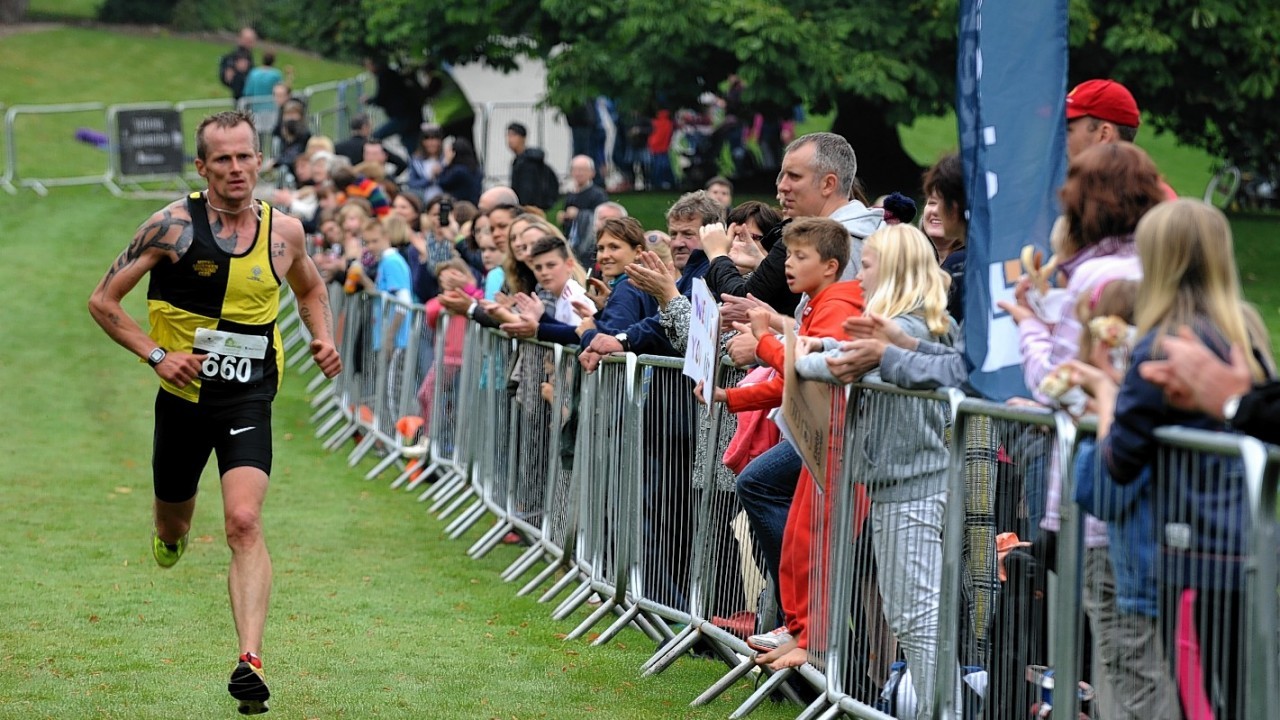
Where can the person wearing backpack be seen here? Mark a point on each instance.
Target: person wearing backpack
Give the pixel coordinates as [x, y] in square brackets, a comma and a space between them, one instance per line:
[533, 180]
[234, 67]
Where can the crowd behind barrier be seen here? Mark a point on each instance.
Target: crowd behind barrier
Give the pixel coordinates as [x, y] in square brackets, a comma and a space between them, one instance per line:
[613, 481]
[328, 110]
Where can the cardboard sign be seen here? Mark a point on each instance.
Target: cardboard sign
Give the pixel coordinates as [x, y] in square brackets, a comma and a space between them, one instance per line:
[805, 417]
[703, 351]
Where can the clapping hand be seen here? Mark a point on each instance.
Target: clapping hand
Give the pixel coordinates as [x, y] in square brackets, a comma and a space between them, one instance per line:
[734, 309]
[715, 240]
[650, 275]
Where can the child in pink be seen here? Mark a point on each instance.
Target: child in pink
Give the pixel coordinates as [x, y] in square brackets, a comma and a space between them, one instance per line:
[454, 274]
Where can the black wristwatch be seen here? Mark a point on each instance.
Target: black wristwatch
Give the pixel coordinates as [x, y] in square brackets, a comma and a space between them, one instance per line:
[156, 357]
[622, 338]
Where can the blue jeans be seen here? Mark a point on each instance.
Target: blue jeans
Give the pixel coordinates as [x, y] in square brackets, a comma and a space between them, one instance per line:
[765, 489]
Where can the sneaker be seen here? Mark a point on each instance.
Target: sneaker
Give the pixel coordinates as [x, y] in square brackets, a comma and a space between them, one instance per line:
[249, 685]
[167, 555]
[772, 640]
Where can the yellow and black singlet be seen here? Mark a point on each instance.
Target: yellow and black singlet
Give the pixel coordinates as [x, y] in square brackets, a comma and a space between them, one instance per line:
[222, 306]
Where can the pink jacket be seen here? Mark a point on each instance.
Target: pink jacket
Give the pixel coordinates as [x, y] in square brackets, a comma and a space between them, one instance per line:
[1045, 346]
[456, 335]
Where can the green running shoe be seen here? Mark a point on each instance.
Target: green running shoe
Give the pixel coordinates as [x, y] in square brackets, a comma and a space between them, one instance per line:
[249, 685]
[167, 555]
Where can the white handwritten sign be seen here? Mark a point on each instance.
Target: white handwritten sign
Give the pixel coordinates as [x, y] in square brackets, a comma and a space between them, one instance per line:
[703, 351]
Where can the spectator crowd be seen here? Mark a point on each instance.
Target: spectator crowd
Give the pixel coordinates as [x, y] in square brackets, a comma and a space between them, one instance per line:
[1138, 319]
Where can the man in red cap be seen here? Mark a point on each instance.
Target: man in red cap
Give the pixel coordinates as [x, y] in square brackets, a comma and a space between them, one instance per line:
[1103, 111]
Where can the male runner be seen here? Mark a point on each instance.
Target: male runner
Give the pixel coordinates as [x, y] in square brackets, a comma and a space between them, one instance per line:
[216, 260]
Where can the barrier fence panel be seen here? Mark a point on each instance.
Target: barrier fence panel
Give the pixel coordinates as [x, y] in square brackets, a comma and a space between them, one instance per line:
[1181, 602]
[456, 430]
[50, 154]
[611, 491]
[331, 105]
[493, 451]
[548, 540]
[6, 150]
[544, 134]
[67, 144]
[726, 579]
[996, 595]
[437, 362]
[668, 418]
[580, 526]
[352, 329]
[537, 428]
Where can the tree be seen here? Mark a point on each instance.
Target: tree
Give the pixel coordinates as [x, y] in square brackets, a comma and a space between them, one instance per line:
[1206, 70]
[11, 11]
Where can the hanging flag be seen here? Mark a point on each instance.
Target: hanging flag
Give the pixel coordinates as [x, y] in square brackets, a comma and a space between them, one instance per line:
[1011, 84]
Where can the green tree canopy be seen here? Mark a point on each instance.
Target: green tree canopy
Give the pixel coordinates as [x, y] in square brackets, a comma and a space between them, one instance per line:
[1206, 70]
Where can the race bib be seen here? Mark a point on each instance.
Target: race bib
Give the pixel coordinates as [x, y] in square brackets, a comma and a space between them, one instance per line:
[230, 357]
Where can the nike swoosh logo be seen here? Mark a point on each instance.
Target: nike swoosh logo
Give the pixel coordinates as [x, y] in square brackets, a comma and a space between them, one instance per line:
[237, 431]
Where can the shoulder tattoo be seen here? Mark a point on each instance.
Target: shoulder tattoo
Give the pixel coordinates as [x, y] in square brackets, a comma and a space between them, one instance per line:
[156, 234]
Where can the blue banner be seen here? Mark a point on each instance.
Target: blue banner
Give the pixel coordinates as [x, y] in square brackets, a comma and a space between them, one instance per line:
[1011, 86]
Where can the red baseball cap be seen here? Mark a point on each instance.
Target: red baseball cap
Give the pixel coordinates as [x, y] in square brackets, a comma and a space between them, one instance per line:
[1103, 99]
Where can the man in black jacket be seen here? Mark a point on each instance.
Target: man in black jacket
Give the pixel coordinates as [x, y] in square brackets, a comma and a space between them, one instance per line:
[534, 182]
[1193, 378]
[234, 67]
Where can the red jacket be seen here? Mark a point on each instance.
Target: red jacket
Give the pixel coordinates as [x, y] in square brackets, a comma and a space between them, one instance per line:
[824, 317]
[660, 137]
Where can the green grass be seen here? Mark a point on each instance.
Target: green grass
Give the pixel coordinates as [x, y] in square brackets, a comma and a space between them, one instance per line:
[374, 613]
[63, 9]
[85, 65]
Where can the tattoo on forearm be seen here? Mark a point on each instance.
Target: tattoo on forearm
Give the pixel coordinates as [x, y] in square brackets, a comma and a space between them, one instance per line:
[325, 321]
[153, 235]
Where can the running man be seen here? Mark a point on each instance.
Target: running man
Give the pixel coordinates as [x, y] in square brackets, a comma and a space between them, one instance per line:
[216, 261]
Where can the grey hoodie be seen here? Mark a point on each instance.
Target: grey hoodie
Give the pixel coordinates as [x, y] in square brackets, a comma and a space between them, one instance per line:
[902, 440]
[860, 221]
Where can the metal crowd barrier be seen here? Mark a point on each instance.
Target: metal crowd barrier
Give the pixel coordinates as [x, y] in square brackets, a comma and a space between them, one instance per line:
[614, 480]
[1191, 569]
[610, 432]
[31, 131]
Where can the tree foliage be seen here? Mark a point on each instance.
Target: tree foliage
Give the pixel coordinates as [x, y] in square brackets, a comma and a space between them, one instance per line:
[1206, 70]
[11, 11]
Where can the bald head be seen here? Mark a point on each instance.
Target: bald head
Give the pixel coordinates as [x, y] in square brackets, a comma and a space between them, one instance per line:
[248, 38]
[583, 170]
[495, 196]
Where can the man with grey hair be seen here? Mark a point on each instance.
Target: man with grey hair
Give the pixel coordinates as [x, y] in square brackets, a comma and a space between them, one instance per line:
[816, 179]
[576, 219]
[609, 210]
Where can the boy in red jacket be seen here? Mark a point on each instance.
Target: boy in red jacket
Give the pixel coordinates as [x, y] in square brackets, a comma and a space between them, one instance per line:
[817, 252]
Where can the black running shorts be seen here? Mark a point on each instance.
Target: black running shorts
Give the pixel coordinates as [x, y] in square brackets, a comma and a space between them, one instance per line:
[186, 433]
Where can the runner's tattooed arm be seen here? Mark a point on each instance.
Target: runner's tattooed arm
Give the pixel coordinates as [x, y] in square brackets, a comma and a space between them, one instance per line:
[166, 235]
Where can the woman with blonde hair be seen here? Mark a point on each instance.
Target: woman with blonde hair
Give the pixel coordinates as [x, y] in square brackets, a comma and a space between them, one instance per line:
[1190, 280]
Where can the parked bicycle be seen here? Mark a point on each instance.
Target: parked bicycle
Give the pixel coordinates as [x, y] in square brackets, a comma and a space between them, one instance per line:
[1232, 188]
